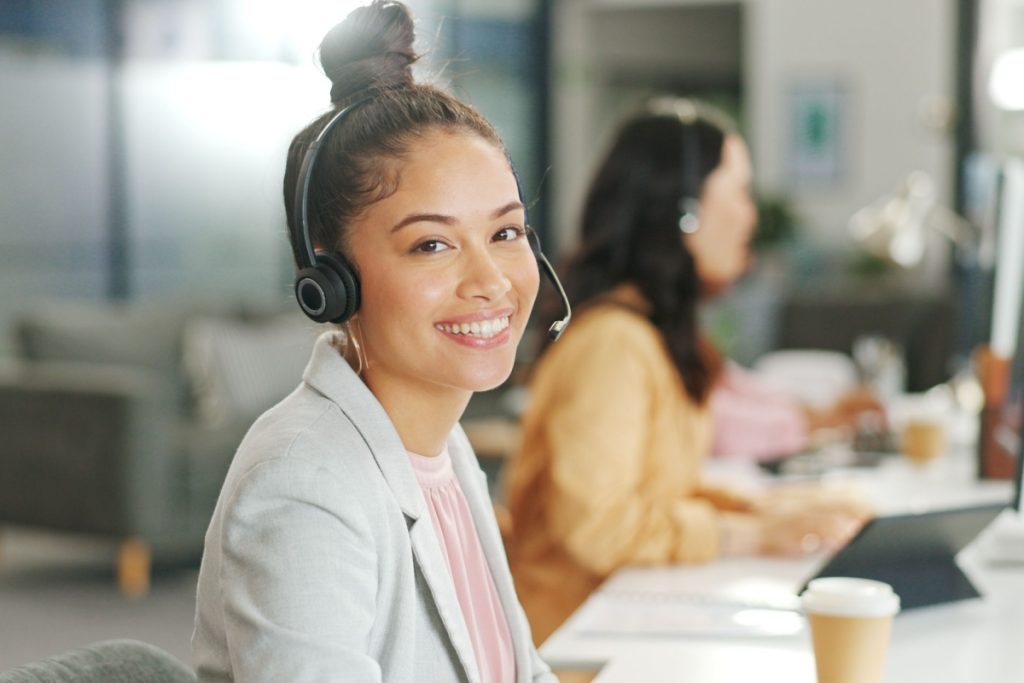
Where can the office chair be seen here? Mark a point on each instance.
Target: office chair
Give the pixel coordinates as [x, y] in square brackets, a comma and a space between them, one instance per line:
[110, 661]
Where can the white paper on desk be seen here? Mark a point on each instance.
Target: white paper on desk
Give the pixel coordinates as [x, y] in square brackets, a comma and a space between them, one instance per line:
[608, 613]
[706, 662]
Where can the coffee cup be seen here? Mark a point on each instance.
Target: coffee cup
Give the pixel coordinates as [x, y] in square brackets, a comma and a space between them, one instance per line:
[851, 624]
[924, 439]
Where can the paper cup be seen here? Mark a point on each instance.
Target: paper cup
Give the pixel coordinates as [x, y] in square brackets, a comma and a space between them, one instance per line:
[924, 439]
[851, 624]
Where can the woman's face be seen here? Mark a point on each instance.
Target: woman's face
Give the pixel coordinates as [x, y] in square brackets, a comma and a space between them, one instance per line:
[728, 217]
[448, 277]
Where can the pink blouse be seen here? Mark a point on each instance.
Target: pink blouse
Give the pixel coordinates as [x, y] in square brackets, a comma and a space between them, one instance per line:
[474, 586]
[753, 420]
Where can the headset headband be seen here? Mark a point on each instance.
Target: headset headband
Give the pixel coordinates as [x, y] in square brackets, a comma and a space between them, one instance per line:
[689, 112]
[304, 252]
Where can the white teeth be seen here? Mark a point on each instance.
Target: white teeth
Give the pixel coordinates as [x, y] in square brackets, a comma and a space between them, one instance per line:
[484, 329]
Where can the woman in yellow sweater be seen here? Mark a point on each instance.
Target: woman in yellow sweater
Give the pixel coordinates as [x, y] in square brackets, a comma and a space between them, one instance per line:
[617, 428]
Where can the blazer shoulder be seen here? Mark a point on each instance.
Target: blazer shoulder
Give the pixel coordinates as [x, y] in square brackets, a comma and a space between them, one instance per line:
[305, 427]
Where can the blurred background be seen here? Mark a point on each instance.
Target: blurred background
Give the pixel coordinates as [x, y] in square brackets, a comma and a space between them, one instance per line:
[143, 139]
[142, 147]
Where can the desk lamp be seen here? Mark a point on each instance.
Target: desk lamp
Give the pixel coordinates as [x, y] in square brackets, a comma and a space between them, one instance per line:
[895, 227]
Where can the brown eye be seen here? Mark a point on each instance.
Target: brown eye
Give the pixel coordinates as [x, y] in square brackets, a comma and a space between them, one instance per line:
[509, 234]
[430, 247]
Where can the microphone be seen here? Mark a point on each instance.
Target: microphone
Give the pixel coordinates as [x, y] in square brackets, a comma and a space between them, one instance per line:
[557, 327]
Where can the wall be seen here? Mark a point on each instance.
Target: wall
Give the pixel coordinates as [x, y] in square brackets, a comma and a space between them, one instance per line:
[53, 200]
[894, 65]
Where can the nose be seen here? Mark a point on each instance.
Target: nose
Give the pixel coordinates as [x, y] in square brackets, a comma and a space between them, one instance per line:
[483, 277]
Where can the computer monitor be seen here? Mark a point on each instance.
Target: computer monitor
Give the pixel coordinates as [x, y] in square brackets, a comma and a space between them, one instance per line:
[1009, 274]
[1006, 540]
[1006, 427]
[999, 445]
[1009, 428]
[974, 267]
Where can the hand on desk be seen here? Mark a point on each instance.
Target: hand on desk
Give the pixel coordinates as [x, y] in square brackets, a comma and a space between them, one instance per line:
[798, 532]
[848, 413]
[794, 522]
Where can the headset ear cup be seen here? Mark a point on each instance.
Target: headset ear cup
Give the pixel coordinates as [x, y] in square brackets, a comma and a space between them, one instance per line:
[329, 291]
[348, 287]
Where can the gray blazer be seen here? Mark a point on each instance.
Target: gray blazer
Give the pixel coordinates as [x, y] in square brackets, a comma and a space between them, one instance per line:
[321, 561]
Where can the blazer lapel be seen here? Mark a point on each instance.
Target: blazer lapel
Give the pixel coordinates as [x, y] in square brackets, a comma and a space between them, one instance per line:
[427, 551]
[329, 374]
[474, 486]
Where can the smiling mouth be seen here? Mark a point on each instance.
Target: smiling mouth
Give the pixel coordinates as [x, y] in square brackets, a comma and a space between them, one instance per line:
[484, 329]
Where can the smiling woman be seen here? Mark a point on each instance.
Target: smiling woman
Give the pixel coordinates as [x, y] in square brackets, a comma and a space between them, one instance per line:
[354, 537]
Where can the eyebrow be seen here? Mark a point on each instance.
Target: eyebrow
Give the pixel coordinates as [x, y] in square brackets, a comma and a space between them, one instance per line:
[450, 220]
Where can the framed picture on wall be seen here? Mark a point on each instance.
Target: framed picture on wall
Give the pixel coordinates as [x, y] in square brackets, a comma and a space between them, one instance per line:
[815, 153]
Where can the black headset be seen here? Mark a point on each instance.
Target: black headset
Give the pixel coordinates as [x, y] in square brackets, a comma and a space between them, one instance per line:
[689, 202]
[688, 114]
[326, 285]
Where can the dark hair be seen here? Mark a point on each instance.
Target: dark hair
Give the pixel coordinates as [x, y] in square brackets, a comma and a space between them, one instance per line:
[369, 56]
[631, 234]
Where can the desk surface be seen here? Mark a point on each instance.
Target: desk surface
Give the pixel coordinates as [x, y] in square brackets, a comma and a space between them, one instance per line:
[968, 641]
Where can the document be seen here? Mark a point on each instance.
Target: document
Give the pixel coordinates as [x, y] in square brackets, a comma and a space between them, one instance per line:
[712, 663]
[716, 601]
[610, 613]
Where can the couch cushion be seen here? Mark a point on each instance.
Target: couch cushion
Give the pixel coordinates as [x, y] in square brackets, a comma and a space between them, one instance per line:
[126, 334]
[237, 369]
[146, 336]
[112, 661]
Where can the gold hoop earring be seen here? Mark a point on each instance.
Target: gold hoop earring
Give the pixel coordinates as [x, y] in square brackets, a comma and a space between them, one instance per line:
[353, 338]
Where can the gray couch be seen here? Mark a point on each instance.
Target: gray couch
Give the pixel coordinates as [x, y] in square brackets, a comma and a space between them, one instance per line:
[120, 420]
[110, 661]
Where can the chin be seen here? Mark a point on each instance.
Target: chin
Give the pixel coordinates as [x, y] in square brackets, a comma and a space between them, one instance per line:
[477, 371]
[486, 383]
[484, 378]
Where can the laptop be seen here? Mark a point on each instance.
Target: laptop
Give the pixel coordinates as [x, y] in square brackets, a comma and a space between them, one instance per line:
[914, 553]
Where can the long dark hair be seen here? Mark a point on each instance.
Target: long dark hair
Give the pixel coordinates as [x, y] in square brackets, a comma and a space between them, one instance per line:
[369, 56]
[631, 227]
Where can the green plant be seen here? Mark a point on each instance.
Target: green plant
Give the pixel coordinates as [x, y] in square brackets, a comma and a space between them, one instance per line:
[777, 222]
[863, 264]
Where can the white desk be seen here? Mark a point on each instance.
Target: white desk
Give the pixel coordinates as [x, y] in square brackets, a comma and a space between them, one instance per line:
[973, 641]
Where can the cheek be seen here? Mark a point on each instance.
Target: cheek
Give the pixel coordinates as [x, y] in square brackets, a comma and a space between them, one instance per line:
[701, 246]
[399, 298]
[715, 255]
[747, 220]
[526, 281]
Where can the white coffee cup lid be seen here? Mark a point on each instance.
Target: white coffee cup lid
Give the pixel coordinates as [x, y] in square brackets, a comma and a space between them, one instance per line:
[850, 597]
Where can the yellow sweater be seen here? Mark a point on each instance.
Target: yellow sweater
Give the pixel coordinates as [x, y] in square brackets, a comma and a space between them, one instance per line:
[609, 470]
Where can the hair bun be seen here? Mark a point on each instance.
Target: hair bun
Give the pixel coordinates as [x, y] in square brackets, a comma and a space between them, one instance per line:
[371, 48]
